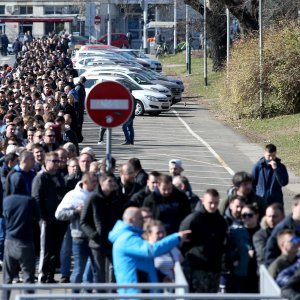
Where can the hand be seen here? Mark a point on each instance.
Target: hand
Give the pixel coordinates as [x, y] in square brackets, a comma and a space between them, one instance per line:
[251, 253]
[79, 208]
[273, 164]
[183, 234]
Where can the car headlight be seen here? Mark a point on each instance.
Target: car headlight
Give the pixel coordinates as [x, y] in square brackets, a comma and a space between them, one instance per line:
[151, 98]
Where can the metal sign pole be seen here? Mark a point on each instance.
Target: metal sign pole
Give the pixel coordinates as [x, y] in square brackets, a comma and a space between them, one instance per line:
[108, 149]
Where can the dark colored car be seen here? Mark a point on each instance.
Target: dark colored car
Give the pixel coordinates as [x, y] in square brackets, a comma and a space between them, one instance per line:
[117, 40]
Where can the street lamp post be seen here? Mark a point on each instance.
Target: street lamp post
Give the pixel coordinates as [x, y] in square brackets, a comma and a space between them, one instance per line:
[175, 26]
[108, 24]
[205, 43]
[261, 95]
[145, 17]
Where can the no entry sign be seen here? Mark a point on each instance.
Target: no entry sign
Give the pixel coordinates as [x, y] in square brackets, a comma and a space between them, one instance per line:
[109, 104]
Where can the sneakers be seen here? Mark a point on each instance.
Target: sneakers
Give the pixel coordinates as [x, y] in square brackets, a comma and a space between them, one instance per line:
[101, 143]
[64, 279]
[126, 143]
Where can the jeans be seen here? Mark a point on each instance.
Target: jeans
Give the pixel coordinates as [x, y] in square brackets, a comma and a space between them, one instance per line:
[65, 254]
[81, 253]
[128, 131]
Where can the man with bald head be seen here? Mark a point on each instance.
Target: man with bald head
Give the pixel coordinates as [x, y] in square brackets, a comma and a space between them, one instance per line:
[132, 255]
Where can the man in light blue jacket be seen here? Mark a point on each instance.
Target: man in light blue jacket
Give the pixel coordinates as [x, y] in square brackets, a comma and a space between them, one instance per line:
[132, 255]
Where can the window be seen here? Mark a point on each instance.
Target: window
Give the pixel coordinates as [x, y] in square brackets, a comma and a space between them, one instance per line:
[26, 10]
[2, 9]
[61, 10]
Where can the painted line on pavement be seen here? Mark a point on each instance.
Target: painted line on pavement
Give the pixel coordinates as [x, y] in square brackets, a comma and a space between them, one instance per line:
[195, 135]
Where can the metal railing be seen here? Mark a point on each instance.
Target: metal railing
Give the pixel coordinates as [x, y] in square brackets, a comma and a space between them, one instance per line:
[267, 284]
[178, 290]
[147, 296]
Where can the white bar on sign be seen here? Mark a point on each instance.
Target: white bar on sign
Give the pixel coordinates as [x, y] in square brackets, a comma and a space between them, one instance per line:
[105, 104]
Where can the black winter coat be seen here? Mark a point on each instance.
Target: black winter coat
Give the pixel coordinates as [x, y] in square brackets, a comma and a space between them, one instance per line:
[48, 190]
[205, 249]
[98, 217]
[171, 210]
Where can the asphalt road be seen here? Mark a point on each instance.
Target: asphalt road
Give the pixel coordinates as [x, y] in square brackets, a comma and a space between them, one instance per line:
[182, 134]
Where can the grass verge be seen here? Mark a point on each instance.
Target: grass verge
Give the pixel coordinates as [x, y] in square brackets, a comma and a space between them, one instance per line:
[282, 131]
[194, 84]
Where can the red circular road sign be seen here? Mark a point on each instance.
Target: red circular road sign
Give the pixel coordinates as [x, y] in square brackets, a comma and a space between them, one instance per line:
[97, 20]
[109, 104]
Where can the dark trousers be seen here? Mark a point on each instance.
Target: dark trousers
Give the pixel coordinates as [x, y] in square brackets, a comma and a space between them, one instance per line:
[204, 282]
[52, 235]
[101, 133]
[128, 131]
[18, 254]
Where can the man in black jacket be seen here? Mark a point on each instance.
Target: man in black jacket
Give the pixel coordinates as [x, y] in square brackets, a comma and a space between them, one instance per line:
[20, 212]
[205, 248]
[127, 185]
[292, 221]
[79, 106]
[140, 175]
[138, 198]
[98, 217]
[48, 189]
[168, 204]
[274, 215]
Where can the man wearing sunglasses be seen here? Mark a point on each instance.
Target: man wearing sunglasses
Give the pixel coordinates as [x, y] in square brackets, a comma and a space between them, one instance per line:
[49, 141]
[48, 189]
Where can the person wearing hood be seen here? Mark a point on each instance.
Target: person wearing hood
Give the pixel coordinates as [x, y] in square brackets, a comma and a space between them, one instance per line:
[69, 210]
[20, 178]
[99, 215]
[269, 176]
[133, 256]
[233, 212]
[274, 215]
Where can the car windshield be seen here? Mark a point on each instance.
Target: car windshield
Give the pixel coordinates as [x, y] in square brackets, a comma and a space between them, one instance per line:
[130, 85]
[126, 55]
[139, 54]
[140, 79]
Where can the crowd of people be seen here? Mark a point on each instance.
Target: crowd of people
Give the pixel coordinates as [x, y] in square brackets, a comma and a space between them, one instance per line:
[124, 225]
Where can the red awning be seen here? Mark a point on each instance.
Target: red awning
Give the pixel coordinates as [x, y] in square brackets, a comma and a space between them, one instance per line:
[32, 19]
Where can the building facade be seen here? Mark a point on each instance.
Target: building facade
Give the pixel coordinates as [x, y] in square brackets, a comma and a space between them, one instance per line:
[41, 17]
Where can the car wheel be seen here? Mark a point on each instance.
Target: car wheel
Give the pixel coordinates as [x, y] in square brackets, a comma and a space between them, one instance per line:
[139, 108]
[154, 113]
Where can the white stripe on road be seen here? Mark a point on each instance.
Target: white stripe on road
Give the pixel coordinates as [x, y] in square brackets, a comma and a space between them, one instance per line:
[213, 152]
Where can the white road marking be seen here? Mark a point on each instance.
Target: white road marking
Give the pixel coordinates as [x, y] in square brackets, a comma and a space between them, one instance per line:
[213, 152]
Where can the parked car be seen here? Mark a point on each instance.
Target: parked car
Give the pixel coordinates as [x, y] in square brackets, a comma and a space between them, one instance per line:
[77, 41]
[147, 101]
[138, 54]
[132, 76]
[173, 87]
[117, 39]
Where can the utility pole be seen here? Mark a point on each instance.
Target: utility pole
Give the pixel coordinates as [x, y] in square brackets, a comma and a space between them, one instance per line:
[175, 26]
[108, 24]
[187, 41]
[228, 37]
[205, 44]
[145, 17]
[261, 95]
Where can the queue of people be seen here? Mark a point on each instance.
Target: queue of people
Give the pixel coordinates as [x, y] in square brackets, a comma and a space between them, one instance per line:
[125, 225]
